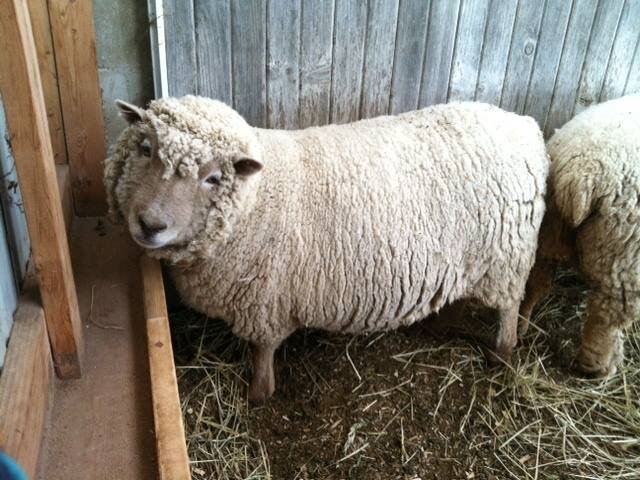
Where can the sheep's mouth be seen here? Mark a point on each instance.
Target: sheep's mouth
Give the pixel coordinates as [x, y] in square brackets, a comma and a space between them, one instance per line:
[149, 244]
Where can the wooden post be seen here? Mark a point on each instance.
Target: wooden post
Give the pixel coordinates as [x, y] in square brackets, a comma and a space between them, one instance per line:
[81, 99]
[27, 118]
[173, 461]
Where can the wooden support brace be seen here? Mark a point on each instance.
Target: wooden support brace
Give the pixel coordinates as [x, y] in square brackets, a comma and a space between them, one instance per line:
[27, 118]
[173, 461]
[74, 42]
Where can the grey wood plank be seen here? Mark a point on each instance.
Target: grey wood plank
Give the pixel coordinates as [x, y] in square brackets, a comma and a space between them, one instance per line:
[348, 57]
[633, 80]
[595, 64]
[378, 57]
[524, 41]
[622, 53]
[180, 47]
[571, 62]
[495, 52]
[548, 53]
[213, 48]
[468, 50]
[411, 36]
[441, 34]
[283, 74]
[316, 48]
[248, 39]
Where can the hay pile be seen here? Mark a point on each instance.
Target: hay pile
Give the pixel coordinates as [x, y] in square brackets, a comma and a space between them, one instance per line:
[411, 405]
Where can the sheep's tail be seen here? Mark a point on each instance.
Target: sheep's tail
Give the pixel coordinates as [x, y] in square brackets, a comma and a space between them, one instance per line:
[575, 193]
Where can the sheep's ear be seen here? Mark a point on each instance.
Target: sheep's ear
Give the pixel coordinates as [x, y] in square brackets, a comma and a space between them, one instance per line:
[246, 166]
[130, 113]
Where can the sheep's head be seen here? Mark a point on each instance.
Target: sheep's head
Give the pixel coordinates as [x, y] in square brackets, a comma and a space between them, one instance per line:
[177, 181]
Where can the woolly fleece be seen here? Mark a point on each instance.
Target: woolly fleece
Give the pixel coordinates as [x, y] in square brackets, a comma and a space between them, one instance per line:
[354, 228]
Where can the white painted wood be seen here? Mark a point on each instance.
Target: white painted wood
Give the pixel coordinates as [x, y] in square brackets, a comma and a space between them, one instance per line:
[158, 48]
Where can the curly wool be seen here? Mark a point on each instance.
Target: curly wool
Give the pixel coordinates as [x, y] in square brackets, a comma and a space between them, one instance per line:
[366, 226]
[596, 189]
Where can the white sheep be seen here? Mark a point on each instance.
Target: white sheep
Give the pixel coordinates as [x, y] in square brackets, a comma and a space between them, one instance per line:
[352, 228]
[593, 222]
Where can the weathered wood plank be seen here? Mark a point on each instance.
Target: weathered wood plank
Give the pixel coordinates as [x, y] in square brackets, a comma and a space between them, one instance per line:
[173, 461]
[624, 47]
[248, 20]
[48, 75]
[213, 48]
[548, 54]
[441, 34]
[573, 55]
[74, 41]
[316, 49]
[524, 43]
[495, 52]
[633, 80]
[348, 57]
[12, 204]
[595, 64]
[378, 57]
[283, 71]
[25, 387]
[411, 36]
[468, 49]
[180, 46]
[8, 290]
[27, 118]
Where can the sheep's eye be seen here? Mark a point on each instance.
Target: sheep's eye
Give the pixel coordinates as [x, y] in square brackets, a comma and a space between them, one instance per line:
[213, 179]
[146, 148]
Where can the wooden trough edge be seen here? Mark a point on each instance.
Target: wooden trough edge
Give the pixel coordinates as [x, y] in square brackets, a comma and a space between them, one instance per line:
[173, 460]
[25, 385]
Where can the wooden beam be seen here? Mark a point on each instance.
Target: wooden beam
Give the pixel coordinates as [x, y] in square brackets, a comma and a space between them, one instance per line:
[46, 61]
[25, 387]
[27, 119]
[173, 461]
[74, 41]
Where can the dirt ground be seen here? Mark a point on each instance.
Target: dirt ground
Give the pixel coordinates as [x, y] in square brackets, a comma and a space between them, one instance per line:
[419, 403]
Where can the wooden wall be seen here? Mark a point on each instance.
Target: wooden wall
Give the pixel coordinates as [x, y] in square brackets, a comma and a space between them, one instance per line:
[295, 63]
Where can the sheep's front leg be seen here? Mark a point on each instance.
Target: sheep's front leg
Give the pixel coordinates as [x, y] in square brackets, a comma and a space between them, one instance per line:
[507, 336]
[263, 382]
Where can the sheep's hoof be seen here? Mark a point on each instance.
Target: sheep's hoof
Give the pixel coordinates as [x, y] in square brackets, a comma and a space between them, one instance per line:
[498, 357]
[260, 390]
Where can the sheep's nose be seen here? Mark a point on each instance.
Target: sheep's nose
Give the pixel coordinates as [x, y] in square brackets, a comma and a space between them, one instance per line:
[151, 227]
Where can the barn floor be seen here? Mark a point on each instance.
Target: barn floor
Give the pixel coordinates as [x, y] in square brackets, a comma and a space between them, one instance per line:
[101, 426]
[414, 404]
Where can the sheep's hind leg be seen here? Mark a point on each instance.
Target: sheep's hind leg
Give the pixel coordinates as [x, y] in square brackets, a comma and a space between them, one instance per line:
[602, 345]
[263, 382]
[538, 286]
[507, 336]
